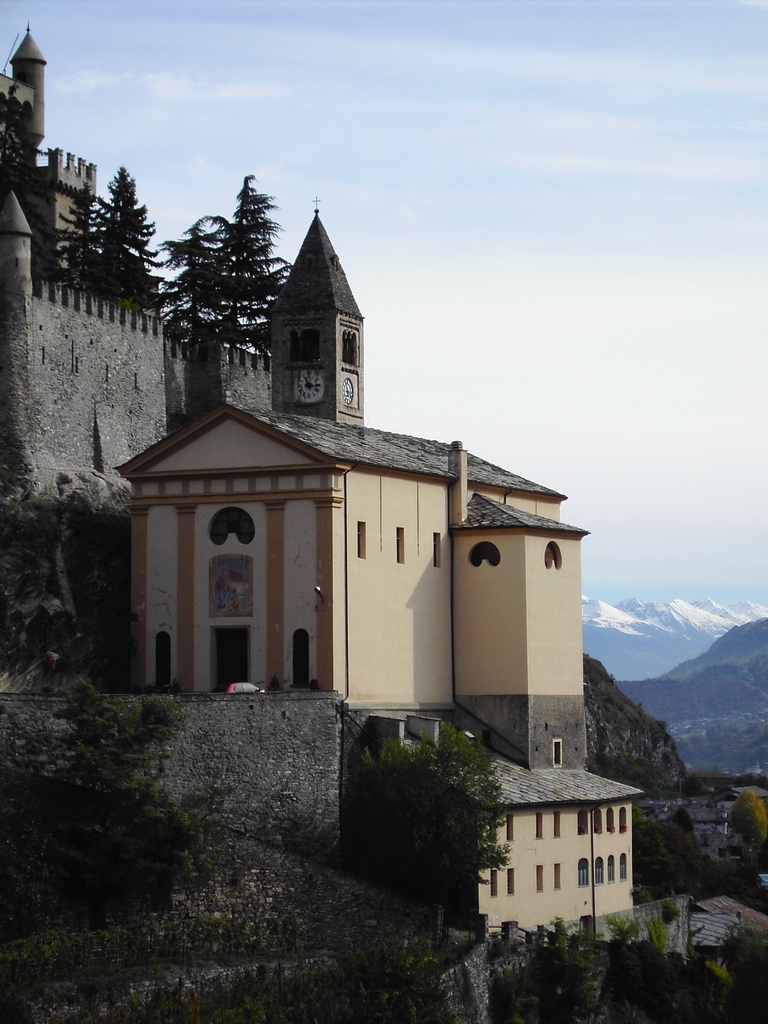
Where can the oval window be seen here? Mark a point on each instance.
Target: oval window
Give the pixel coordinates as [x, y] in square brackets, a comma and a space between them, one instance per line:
[484, 552]
[232, 520]
[552, 557]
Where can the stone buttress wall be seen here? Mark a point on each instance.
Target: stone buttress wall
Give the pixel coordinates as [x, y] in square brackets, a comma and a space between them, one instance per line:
[200, 377]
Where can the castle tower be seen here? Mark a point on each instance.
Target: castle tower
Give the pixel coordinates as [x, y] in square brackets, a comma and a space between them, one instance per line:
[317, 337]
[28, 65]
[15, 249]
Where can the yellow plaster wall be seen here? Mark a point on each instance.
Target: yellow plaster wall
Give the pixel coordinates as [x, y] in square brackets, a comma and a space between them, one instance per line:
[572, 901]
[554, 617]
[399, 614]
[517, 624]
[490, 610]
[300, 580]
[162, 575]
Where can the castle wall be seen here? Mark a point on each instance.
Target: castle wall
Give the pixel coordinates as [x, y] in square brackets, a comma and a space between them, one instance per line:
[84, 382]
[200, 377]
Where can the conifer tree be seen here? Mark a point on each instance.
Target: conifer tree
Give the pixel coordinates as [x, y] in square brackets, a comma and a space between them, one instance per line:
[228, 275]
[193, 300]
[78, 256]
[255, 273]
[123, 235]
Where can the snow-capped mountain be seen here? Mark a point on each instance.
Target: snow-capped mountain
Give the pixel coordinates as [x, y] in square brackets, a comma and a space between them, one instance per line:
[637, 639]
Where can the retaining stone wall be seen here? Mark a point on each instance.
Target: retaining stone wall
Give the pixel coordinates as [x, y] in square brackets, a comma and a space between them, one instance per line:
[276, 759]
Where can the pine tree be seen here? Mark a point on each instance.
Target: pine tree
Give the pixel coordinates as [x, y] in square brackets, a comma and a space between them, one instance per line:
[255, 273]
[123, 235]
[228, 275]
[193, 300]
[78, 256]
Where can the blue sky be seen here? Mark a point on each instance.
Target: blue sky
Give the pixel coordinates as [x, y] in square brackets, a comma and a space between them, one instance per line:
[554, 217]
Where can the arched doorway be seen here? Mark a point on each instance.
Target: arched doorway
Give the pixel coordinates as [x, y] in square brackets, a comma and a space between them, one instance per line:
[163, 661]
[301, 658]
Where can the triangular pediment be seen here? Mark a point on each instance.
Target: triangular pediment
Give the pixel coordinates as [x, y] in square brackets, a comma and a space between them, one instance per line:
[224, 439]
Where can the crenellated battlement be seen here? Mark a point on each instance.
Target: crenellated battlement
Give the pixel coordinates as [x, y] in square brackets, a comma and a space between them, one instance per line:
[91, 305]
[231, 355]
[71, 173]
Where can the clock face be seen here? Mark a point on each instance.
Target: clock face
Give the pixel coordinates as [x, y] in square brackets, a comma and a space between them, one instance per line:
[348, 391]
[310, 386]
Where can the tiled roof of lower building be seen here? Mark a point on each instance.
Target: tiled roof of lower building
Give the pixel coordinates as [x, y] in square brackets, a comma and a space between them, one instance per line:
[556, 785]
[483, 513]
[395, 451]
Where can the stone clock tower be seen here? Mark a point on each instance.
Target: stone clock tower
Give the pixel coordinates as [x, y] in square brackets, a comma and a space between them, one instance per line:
[317, 337]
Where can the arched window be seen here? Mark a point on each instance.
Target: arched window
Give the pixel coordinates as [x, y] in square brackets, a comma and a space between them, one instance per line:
[611, 868]
[623, 867]
[583, 871]
[597, 821]
[609, 820]
[484, 552]
[622, 819]
[162, 660]
[583, 823]
[552, 557]
[599, 871]
[349, 348]
[305, 346]
[232, 520]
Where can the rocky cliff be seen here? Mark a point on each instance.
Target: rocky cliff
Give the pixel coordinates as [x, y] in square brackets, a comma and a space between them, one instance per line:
[623, 741]
[65, 585]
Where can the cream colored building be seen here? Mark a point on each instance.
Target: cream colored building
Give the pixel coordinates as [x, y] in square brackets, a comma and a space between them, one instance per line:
[296, 547]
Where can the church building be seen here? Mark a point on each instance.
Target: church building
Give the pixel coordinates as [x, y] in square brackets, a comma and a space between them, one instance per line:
[295, 547]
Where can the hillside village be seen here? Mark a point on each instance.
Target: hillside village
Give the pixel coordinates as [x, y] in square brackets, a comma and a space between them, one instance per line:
[370, 585]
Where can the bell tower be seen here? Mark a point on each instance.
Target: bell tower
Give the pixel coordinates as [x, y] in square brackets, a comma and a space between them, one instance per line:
[317, 337]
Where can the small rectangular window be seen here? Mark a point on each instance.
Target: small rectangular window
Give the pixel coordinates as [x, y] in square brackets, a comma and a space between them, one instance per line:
[510, 827]
[557, 876]
[539, 878]
[401, 544]
[436, 550]
[494, 882]
[557, 753]
[361, 540]
[510, 881]
[556, 824]
[539, 825]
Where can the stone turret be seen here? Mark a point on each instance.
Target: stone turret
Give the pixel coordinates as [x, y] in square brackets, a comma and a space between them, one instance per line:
[28, 65]
[15, 249]
[317, 337]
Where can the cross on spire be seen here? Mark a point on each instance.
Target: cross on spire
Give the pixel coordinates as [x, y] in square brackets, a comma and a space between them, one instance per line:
[316, 202]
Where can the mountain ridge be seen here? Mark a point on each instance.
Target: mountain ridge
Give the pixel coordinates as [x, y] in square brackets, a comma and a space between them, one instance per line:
[638, 639]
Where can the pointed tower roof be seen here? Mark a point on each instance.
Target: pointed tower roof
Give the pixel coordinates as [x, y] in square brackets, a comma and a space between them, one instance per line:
[28, 50]
[12, 219]
[317, 281]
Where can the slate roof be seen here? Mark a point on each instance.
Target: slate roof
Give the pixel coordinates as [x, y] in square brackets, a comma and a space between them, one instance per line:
[709, 931]
[12, 219]
[737, 911]
[28, 50]
[401, 452]
[316, 282]
[482, 512]
[556, 786]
